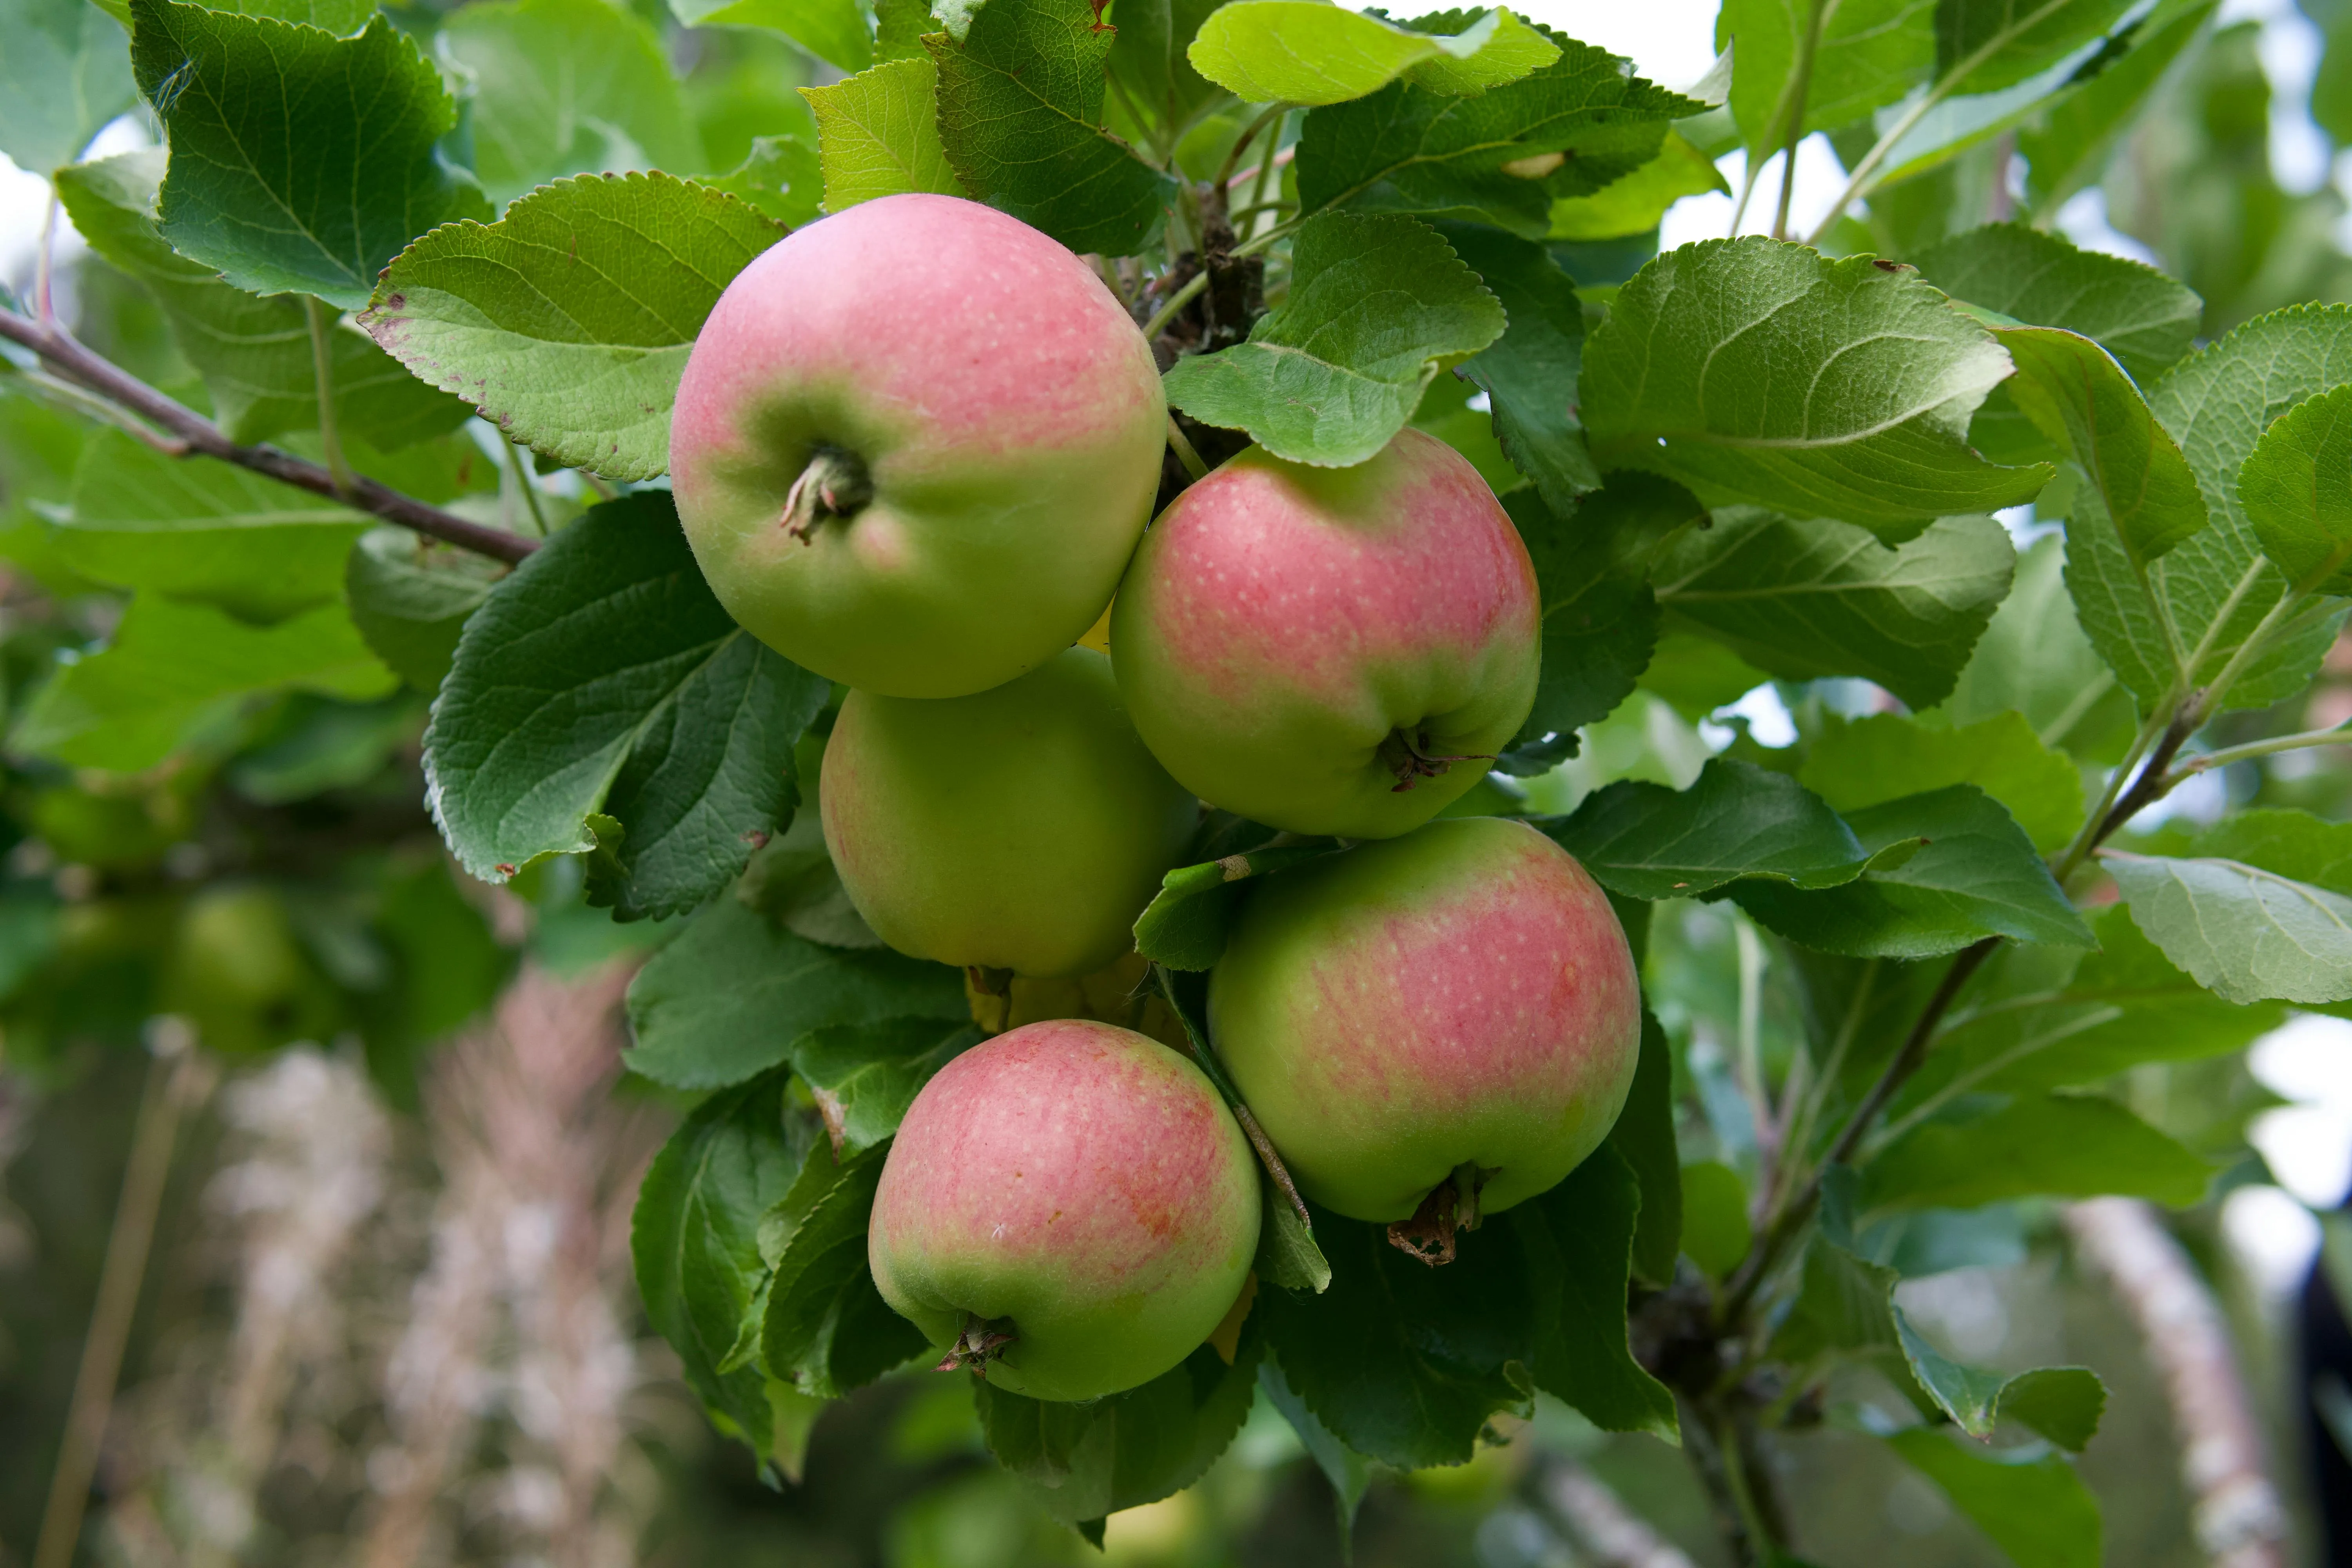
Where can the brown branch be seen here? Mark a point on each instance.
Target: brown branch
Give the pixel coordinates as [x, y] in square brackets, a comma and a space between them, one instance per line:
[192, 434]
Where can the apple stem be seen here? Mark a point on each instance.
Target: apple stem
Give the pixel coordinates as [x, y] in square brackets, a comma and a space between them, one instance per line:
[1449, 1207]
[1406, 755]
[835, 484]
[983, 1340]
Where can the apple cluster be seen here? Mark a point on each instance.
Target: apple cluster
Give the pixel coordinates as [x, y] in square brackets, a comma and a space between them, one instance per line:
[916, 450]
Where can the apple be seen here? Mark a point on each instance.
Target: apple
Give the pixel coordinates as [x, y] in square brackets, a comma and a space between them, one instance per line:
[1331, 650]
[914, 445]
[1457, 1004]
[1068, 1208]
[1024, 827]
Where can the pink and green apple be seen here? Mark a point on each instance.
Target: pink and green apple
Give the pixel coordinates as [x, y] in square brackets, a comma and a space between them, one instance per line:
[914, 446]
[1458, 1000]
[1331, 650]
[1024, 827]
[1070, 1207]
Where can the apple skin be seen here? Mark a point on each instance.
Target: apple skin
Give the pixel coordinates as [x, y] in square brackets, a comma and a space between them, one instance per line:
[1461, 994]
[1024, 827]
[1007, 414]
[1280, 623]
[1081, 1181]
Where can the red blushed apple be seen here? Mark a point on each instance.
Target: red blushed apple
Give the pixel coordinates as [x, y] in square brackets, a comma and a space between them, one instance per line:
[914, 446]
[1456, 1005]
[1070, 1208]
[1331, 650]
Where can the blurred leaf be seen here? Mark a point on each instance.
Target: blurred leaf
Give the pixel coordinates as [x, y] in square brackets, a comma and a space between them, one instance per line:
[1488, 158]
[1990, 44]
[1083, 1461]
[1349, 1473]
[2296, 490]
[1377, 306]
[866, 1075]
[1530, 373]
[1868, 54]
[1150, 56]
[2034, 658]
[470, 307]
[732, 995]
[2291, 843]
[2053, 1145]
[1306, 52]
[2245, 933]
[1632, 204]
[834, 31]
[411, 599]
[827, 1328]
[301, 163]
[1187, 922]
[781, 177]
[879, 135]
[1644, 1138]
[170, 667]
[566, 87]
[1600, 617]
[1716, 1232]
[600, 677]
[1803, 600]
[2077, 395]
[1680, 379]
[1578, 1239]
[2062, 1403]
[1648, 841]
[1021, 116]
[2030, 1504]
[63, 76]
[1856, 762]
[2068, 144]
[2145, 318]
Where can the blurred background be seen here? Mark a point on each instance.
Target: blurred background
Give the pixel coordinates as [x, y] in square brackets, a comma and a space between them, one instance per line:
[377, 1112]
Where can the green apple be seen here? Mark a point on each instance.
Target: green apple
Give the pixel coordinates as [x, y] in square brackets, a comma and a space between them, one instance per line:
[1023, 828]
[914, 446]
[1455, 1004]
[1331, 650]
[1068, 1208]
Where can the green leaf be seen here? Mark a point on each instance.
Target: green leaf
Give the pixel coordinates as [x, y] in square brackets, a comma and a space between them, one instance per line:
[866, 1075]
[2070, 141]
[2053, 1145]
[2145, 318]
[1859, 762]
[62, 77]
[732, 995]
[879, 135]
[827, 1328]
[834, 31]
[1686, 377]
[1021, 115]
[1976, 875]
[301, 163]
[1187, 922]
[1349, 1473]
[695, 1242]
[1646, 841]
[1870, 54]
[203, 531]
[2078, 396]
[1803, 600]
[1716, 1232]
[2245, 933]
[1377, 306]
[2034, 658]
[171, 668]
[1403, 1362]
[1982, 45]
[601, 679]
[566, 87]
[1488, 159]
[780, 176]
[2030, 1504]
[411, 598]
[1645, 1138]
[2062, 1403]
[1080, 1462]
[253, 353]
[2296, 490]
[1307, 52]
[1530, 373]
[2292, 843]
[1633, 204]
[636, 261]
[1578, 1239]
[1600, 617]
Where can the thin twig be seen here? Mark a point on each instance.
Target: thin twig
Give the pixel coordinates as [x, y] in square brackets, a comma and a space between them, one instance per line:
[1801, 88]
[45, 268]
[523, 481]
[1184, 452]
[2341, 735]
[75, 363]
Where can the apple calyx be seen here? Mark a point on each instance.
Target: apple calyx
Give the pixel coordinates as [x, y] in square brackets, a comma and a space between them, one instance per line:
[1406, 755]
[983, 1341]
[1452, 1205]
[835, 484]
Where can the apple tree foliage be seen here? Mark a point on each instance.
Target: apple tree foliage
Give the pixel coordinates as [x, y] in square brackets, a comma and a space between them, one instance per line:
[1742, 459]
